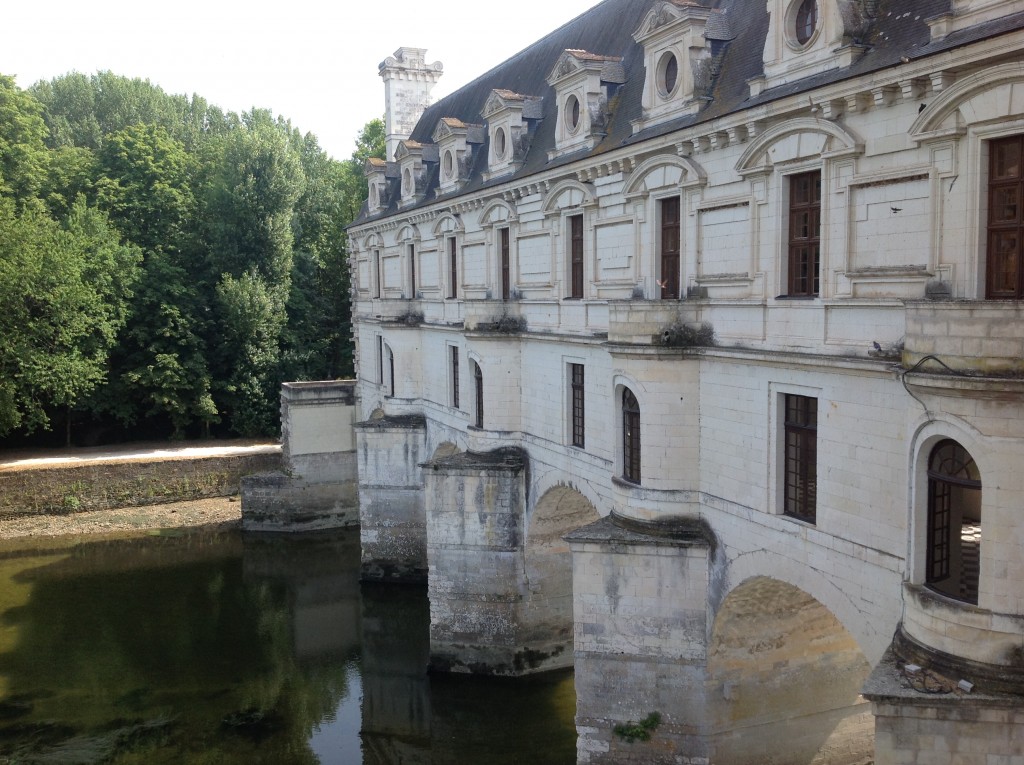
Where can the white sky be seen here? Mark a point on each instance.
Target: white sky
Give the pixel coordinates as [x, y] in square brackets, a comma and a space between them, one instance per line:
[314, 63]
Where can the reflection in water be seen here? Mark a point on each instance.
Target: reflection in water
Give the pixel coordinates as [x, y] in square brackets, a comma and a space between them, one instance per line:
[223, 648]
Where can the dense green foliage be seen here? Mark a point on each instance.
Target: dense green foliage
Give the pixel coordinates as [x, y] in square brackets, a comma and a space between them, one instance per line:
[165, 265]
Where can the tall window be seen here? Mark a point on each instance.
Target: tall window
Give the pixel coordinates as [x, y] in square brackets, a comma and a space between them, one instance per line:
[800, 492]
[669, 248]
[377, 274]
[577, 404]
[506, 281]
[455, 376]
[630, 437]
[453, 268]
[380, 359]
[1005, 269]
[390, 390]
[804, 234]
[478, 386]
[412, 271]
[576, 256]
[954, 522]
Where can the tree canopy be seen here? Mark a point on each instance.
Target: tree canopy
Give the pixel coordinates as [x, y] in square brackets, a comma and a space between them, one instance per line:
[165, 265]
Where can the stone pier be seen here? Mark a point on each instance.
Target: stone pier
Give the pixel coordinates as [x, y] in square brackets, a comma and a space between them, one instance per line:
[641, 597]
[318, 487]
[476, 517]
[393, 526]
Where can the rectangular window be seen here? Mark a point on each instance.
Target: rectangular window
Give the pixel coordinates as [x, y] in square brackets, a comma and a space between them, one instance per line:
[800, 473]
[412, 271]
[379, 277]
[669, 283]
[455, 376]
[453, 268]
[576, 256]
[478, 384]
[576, 386]
[804, 234]
[1005, 274]
[506, 281]
[380, 360]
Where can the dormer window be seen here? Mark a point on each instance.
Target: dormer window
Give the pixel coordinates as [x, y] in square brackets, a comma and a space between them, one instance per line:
[511, 121]
[455, 141]
[808, 37]
[584, 83]
[413, 158]
[677, 40]
[377, 172]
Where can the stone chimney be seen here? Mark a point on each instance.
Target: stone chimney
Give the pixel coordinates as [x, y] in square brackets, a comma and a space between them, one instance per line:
[408, 80]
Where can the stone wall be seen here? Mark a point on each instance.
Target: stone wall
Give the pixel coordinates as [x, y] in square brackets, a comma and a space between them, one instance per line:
[317, 487]
[105, 485]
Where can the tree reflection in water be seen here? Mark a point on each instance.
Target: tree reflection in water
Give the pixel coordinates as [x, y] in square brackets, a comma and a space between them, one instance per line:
[222, 648]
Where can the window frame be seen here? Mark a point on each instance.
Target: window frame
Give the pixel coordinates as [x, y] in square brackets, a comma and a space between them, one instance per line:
[505, 261]
[632, 444]
[478, 388]
[577, 405]
[453, 375]
[411, 252]
[996, 228]
[453, 267]
[576, 256]
[799, 468]
[794, 243]
[941, 534]
[670, 285]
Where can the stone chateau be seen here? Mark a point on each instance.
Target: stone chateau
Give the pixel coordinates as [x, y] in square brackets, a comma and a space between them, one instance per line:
[691, 355]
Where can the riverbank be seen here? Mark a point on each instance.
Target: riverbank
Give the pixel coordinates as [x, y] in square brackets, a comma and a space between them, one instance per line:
[126, 488]
[224, 512]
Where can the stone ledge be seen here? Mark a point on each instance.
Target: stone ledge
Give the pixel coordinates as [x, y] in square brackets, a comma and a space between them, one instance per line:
[508, 458]
[394, 422]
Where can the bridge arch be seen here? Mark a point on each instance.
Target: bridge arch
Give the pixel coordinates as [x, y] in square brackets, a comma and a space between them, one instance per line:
[548, 612]
[784, 680]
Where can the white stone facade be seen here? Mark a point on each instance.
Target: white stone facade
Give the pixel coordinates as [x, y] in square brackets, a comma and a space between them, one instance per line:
[903, 156]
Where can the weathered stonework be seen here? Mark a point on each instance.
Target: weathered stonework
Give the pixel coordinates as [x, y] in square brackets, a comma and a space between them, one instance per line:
[479, 619]
[318, 486]
[393, 525]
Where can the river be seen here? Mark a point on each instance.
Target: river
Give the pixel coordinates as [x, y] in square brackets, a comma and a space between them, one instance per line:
[223, 648]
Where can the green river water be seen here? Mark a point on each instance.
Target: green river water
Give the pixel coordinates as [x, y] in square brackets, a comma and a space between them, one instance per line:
[224, 648]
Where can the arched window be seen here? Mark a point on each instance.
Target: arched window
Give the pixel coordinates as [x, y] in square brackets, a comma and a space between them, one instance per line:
[390, 390]
[478, 386]
[630, 437]
[954, 522]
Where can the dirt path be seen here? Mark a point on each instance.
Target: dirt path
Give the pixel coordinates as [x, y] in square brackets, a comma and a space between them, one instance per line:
[221, 511]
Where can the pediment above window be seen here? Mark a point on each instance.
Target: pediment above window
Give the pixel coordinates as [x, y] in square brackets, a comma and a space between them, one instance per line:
[807, 37]
[584, 85]
[457, 144]
[511, 121]
[681, 41]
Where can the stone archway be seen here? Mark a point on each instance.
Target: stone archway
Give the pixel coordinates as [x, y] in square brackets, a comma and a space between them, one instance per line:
[547, 614]
[784, 680]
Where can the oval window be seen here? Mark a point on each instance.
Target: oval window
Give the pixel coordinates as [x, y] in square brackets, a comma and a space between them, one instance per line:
[572, 113]
[499, 143]
[668, 70]
[806, 21]
[449, 164]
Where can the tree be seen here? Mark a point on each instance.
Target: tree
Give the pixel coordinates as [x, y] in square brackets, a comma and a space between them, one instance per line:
[23, 155]
[65, 291]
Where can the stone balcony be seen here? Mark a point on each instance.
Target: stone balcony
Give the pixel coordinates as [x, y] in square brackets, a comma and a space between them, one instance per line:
[979, 337]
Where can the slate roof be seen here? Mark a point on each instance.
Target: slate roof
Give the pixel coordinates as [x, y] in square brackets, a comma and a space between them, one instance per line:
[897, 30]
